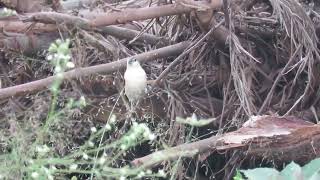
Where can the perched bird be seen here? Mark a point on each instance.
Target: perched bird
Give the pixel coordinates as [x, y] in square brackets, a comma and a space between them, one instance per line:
[135, 81]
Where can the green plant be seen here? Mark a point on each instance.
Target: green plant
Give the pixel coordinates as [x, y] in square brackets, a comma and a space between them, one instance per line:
[292, 171]
[7, 12]
[238, 176]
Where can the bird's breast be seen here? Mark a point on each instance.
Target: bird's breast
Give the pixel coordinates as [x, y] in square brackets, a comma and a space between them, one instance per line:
[135, 82]
[135, 75]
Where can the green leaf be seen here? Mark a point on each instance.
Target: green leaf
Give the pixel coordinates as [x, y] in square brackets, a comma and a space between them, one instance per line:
[292, 172]
[194, 122]
[315, 176]
[261, 174]
[53, 48]
[63, 48]
[238, 176]
[312, 168]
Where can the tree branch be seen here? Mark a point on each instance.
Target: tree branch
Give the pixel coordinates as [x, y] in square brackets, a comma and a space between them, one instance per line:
[127, 15]
[183, 150]
[37, 85]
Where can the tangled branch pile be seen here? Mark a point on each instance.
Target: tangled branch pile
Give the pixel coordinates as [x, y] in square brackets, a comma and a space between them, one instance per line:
[227, 60]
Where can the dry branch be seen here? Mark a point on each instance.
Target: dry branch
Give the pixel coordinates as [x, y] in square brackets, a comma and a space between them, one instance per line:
[174, 153]
[13, 24]
[28, 44]
[29, 38]
[124, 33]
[122, 17]
[59, 18]
[103, 68]
[25, 5]
[50, 18]
[278, 139]
[147, 13]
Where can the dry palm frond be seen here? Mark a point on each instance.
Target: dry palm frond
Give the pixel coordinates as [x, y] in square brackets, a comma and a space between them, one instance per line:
[299, 27]
[239, 58]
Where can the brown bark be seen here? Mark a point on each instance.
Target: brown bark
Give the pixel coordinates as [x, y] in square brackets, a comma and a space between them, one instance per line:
[278, 139]
[189, 150]
[121, 17]
[14, 25]
[25, 5]
[29, 38]
[140, 14]
[28, 44]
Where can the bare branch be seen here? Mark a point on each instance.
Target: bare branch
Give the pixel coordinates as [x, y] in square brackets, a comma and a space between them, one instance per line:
[122, 17]
[103, 68]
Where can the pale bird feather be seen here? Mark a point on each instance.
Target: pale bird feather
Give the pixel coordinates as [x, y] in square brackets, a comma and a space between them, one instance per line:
[135, 82]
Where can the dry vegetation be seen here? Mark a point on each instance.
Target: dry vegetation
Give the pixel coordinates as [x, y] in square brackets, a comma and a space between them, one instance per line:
[224, 61]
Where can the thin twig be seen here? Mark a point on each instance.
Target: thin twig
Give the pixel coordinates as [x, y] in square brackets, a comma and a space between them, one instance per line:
[189, 49]
[268, 98]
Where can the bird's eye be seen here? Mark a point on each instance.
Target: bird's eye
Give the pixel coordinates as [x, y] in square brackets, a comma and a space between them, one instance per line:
[131, 61]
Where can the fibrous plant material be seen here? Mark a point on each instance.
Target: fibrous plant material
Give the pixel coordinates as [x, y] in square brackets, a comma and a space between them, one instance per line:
[270, 138]
[299, 27]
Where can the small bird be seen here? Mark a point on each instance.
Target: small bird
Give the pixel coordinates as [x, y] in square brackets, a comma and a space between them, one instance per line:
[135, 82]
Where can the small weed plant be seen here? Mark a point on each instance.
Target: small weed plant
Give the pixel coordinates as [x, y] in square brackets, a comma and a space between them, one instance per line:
[7, 12]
